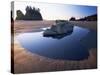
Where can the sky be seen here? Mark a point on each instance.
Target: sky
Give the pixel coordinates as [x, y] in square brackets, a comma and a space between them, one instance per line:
[57, 11]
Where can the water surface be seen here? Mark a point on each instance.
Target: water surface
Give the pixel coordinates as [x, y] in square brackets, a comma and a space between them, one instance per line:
[74, 46]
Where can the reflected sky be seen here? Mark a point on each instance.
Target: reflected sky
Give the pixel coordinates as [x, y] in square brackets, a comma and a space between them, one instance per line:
[57, 11]
[72, 47]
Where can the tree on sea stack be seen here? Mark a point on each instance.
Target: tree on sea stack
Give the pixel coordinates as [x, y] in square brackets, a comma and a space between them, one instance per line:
[20, 15]
[72, 19]
[31, 14]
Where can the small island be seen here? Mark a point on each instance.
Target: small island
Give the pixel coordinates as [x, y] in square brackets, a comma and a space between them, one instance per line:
[61, 27]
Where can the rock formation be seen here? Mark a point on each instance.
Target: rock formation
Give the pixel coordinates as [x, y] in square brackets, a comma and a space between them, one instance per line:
[59, 29]
[31, 14]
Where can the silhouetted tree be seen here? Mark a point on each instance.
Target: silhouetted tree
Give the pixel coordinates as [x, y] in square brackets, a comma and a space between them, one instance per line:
[72, 19]
[31, 14]
[89, 18]
[20, 15]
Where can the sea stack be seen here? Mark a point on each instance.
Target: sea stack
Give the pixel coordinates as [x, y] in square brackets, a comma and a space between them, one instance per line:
[61, 27]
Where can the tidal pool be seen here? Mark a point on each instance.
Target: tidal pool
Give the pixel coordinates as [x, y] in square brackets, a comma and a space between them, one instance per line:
[73, 46]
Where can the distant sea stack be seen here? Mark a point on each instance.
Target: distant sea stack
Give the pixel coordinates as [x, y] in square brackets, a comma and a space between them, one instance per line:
[86, 18]
[31, 14]
[89, 18]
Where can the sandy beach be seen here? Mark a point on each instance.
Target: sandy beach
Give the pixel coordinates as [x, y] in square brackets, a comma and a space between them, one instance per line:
[26, 62]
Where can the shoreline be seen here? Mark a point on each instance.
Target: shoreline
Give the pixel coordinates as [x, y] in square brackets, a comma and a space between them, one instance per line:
[26, 62]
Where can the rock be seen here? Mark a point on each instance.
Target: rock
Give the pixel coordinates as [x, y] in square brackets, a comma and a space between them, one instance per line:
[58, 36]
[59, 29]
[49, 32]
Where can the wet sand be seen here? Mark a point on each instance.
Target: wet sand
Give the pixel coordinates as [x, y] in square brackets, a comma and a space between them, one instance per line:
[26, 62]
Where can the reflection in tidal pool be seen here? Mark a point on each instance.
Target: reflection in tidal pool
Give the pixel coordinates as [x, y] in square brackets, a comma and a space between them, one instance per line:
[69, 47]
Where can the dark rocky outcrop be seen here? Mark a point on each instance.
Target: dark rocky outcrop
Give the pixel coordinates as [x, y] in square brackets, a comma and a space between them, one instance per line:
[89, 18]
[72, 19]
[20, 15]
[86, 18]
[59, 29]
[31, 14]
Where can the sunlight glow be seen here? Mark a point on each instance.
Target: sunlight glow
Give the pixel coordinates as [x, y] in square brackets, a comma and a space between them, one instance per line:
[57, 11]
